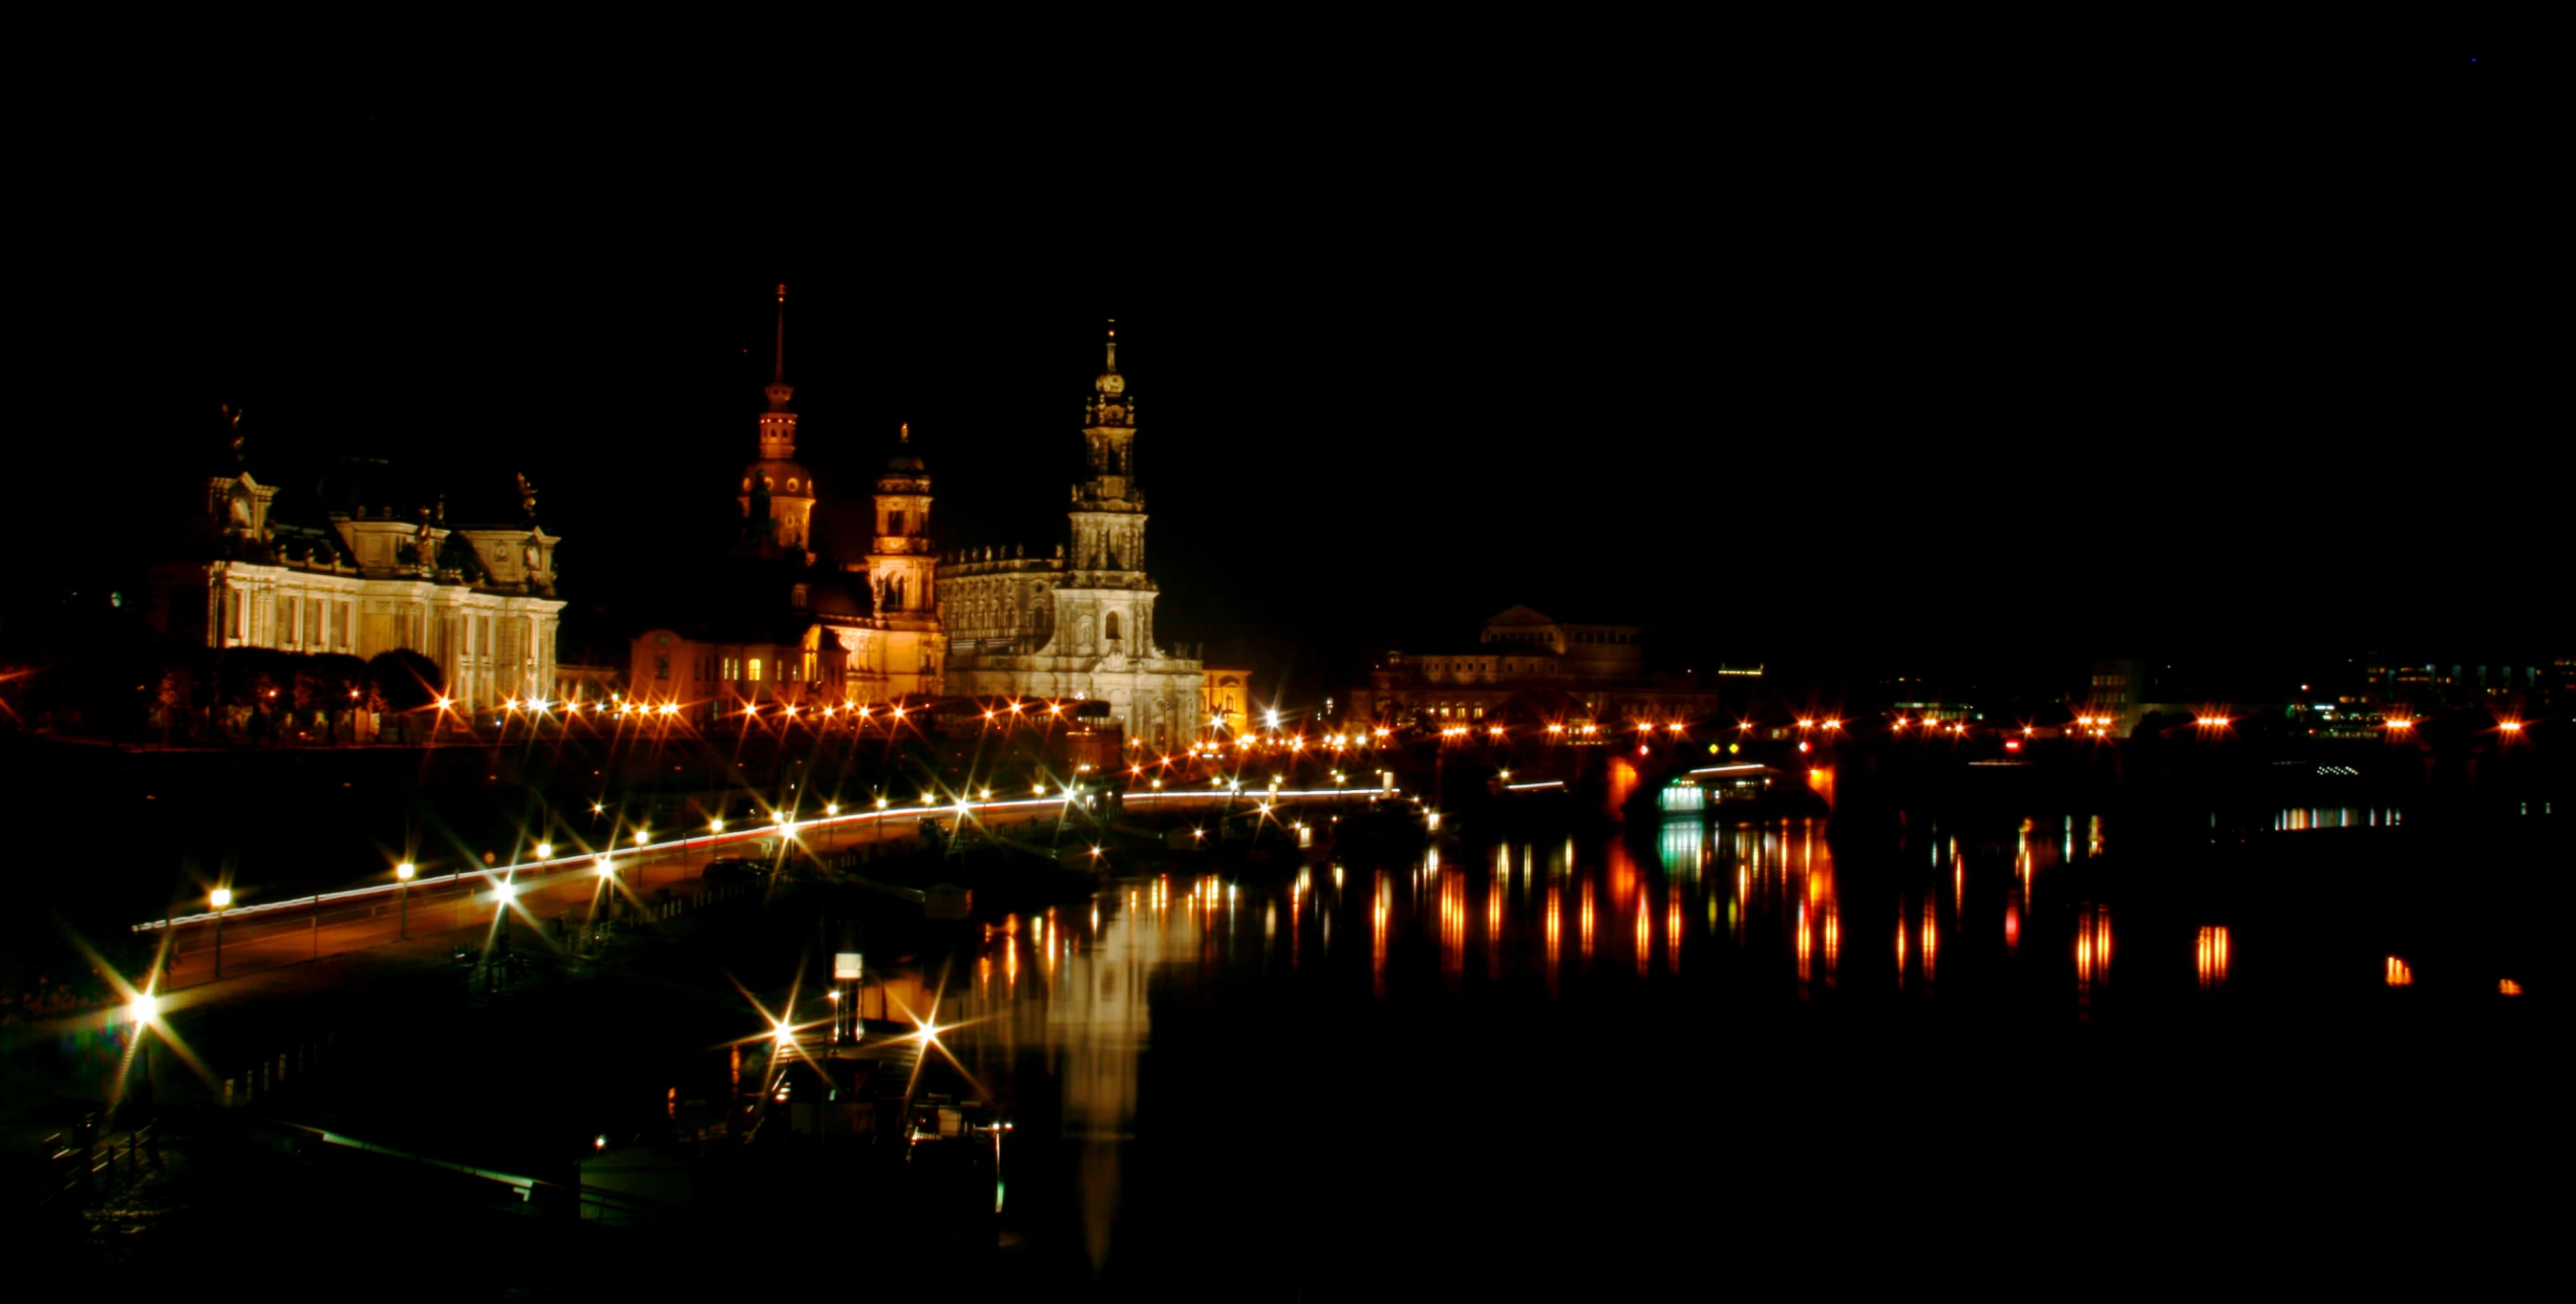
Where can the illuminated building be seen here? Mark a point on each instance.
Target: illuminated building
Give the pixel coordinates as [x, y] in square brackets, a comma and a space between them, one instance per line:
[347, 576]
[1226, 705]
[1078, 624]
[780, 620]
[2118, 690]
[1534, 665]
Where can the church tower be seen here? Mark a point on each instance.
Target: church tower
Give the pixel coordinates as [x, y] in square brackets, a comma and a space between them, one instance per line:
[1079, 625]
[1108, 508]
[901, 568]
[777, 493]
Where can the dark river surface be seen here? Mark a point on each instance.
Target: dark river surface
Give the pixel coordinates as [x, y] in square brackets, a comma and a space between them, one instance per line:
[2043, 1049]
[2034, 1048]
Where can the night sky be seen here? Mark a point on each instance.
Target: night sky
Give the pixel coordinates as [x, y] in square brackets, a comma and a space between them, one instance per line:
[1995, 389]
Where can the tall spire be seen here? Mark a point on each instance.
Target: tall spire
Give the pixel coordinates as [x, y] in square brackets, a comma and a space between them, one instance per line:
[1113, 343]
[780, 373]
[778, 389]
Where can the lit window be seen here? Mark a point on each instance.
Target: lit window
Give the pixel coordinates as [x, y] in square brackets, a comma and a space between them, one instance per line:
[754, 676]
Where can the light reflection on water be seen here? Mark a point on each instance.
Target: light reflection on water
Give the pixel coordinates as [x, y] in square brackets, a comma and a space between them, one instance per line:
[1758, 907]
[2299, 819]
[1751, 884]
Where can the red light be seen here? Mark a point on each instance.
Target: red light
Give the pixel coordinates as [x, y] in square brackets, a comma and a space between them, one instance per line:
[2012, 745]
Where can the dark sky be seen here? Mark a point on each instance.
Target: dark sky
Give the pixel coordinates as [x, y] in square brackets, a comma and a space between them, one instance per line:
[1977, 385]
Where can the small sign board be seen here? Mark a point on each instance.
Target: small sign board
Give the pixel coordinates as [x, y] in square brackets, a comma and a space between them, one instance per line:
[845, 964]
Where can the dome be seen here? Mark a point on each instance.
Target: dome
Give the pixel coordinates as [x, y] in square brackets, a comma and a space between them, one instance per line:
[906, 463]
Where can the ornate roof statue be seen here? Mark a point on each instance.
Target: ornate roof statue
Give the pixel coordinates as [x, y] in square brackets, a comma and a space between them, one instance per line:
[233, 432]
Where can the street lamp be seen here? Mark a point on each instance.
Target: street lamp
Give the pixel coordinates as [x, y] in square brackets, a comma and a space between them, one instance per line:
[402, 877]
[545, 851]
[221, 899]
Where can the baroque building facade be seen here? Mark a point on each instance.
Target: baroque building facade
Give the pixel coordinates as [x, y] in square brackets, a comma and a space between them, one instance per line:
[780, 619]
[1530, 667]
[361, 580]
[1225, 706]
[1079, 624]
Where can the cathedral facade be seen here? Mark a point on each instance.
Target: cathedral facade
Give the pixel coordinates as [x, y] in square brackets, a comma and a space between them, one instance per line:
[1078, 624]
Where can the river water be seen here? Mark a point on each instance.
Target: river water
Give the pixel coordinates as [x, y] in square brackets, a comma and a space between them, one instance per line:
[1708, 1047]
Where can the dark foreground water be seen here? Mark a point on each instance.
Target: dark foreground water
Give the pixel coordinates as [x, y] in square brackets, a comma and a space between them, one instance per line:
[2025, 1050]
[2009, 1050]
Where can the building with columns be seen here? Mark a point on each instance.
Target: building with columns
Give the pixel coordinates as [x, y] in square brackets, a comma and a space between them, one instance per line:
[1078, 624]
[361, 579]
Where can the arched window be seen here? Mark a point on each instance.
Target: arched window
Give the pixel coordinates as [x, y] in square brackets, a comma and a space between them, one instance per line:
[1113, 625]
